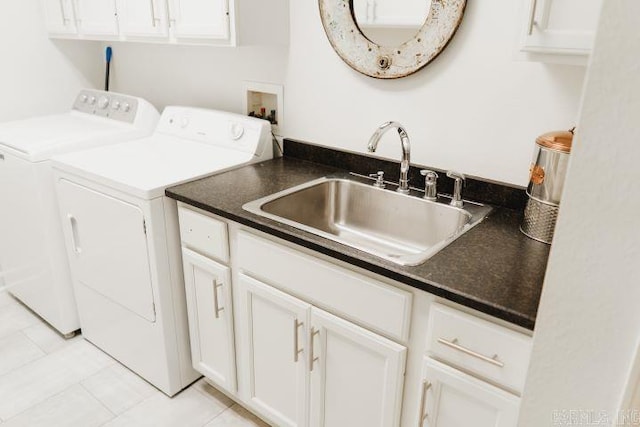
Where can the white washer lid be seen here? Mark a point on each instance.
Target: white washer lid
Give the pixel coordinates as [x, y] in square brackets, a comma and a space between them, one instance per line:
[146, 167]
[39, 138]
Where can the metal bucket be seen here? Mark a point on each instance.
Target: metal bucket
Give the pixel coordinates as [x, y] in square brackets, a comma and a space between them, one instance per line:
[546, 182]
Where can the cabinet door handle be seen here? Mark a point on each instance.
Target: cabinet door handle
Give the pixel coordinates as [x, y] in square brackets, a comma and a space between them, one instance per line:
[63, 13]
[532, 17]
[454, 344]
[426, 385]
[153, 13]
[296, 350]
[74, 234]
[170, 19]
[76, 10]
[216, 304]
[312, 359]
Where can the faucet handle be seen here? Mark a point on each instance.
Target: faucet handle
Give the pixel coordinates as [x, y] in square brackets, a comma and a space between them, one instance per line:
[379, 179]
[456, 200]
[430, 184]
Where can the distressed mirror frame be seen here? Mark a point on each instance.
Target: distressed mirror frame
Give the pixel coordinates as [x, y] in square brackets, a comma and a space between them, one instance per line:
[382, 62]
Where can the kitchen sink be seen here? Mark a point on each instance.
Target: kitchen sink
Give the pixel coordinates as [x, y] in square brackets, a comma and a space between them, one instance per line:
[402, 228]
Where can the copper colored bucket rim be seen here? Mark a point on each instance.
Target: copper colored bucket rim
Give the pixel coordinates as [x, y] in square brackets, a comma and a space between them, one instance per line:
[560, 141]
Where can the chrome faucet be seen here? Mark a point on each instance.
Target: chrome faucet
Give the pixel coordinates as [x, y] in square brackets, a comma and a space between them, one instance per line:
[456, 199]
[406, 151]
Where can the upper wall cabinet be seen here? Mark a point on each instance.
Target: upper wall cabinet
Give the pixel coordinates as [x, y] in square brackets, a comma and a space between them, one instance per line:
[60, 17]
[200, 19]
[560, 27]
[96, 18]
[143, 18]
[214, 22]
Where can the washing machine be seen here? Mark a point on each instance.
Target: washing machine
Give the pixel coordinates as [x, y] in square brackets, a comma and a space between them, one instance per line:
[32, 252]
[122, 235]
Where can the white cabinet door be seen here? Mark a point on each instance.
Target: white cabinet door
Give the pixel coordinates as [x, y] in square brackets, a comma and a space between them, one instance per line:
[451, 398]
[143, 18]
[97, 17]
[60, 17]
[209, 308]
[200, 19]
[274, 327]
[560, 26]
[357, 376]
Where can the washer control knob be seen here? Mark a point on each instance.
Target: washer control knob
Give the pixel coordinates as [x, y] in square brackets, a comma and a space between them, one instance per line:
[84, 99]
[92, 100]
[103, 102]
[236, 130]
[115, 105]
[126, 107]
[184, 122]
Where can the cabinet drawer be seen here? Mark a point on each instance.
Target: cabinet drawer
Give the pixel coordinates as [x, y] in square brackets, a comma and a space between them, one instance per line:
[480, 347]
[203, 234]
[375, 305]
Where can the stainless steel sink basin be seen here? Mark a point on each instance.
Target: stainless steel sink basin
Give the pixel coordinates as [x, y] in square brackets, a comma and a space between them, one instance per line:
[404, 229]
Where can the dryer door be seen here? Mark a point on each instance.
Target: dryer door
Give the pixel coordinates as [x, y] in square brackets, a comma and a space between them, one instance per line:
[107, 245]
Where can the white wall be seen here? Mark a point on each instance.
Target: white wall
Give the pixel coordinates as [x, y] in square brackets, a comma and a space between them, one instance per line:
[474, 109]
[37, 75]
[588, 324]
[199, 76]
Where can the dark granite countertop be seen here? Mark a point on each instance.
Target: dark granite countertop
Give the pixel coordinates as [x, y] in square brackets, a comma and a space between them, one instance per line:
[492, 268]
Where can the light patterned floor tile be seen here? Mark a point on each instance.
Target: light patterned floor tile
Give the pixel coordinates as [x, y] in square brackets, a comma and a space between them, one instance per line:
[16, 350]
[236, 416]
[74, 407]
[14, 317]
[47, 338]
[39, 380]
[188, 409]
[118, 388]
[205, 388]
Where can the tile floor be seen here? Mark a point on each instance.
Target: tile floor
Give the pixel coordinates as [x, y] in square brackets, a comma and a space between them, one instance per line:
[48, 381]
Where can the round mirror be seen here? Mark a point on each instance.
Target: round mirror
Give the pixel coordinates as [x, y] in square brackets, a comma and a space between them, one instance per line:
[388, 39]
[390, 23]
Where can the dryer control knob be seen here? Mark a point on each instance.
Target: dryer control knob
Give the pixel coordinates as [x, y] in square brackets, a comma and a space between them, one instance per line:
[103, 102]
[126, 107]
[84, 99]
[236, 130]
[115, 105]
[184, 122]
[92, 100]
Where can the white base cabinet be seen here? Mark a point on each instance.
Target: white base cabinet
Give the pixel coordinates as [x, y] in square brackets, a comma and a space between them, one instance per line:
[210, 314]
[315, 344]
[310, 368]
[274, 327]
[357, 376]
[450, 398]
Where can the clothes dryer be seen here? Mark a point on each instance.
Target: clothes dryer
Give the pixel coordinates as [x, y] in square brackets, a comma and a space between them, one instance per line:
[123, 239]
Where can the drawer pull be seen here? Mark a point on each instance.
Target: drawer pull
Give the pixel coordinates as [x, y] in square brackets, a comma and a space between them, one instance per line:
[454, 344]
[426, 385]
